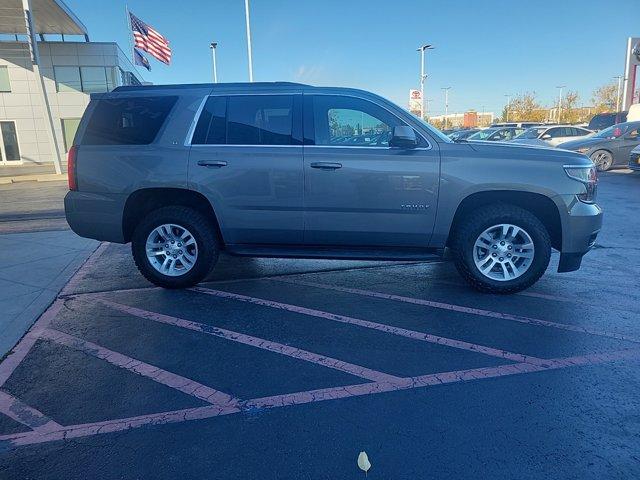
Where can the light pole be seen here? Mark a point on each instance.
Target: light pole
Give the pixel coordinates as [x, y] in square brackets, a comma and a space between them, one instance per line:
[246, 15]
[560, 102]
[508, 95]
[213, 46]
[426, 107]
[423, 76]
[446, 105]
[619, 78]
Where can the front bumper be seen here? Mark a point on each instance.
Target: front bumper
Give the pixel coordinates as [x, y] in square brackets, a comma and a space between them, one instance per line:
[634, 161]
[580, 228]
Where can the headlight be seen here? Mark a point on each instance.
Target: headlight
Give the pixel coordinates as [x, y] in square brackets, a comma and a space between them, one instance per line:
[588, 176]
[583, 150]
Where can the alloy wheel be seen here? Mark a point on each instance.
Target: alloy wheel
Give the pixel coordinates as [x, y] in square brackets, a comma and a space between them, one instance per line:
[503, 252]
[171, 249]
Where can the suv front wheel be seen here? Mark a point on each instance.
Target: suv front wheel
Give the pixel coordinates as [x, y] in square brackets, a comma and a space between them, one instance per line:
[174, 247]
[501, 249]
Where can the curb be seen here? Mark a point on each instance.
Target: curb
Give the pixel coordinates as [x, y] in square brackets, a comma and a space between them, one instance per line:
[49, 177]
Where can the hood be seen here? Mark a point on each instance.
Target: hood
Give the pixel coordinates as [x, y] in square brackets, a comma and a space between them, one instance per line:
[517, 151]
[583, 142]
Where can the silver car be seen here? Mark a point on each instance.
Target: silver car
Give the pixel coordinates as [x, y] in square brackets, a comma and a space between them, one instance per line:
[185, 172]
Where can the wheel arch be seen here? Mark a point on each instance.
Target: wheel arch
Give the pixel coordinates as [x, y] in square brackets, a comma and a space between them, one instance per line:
[543, 207]
[141, 202]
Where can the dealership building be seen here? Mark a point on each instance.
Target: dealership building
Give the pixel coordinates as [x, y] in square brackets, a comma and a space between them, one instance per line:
[39, 118]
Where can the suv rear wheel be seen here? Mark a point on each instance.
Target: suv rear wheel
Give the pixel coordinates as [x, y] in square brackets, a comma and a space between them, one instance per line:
[501, 249]
[174, 247]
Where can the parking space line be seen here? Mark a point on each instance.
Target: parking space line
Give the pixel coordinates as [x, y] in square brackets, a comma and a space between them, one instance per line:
[20, 351]
[26, 415]
[312, 396]
[463, 309]
[403, 332]
[261, 343]
[172, 380]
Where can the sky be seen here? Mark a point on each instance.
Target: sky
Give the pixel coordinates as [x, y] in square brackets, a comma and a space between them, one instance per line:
[484, 50]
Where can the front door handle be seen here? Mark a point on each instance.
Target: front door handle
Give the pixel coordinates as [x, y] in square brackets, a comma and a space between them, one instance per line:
[326, 165]
[212, 163]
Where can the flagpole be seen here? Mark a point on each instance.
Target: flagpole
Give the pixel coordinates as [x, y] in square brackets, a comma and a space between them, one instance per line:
[130, 35]
[246, 12]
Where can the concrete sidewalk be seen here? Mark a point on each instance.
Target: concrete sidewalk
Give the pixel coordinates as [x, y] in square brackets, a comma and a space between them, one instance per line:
[35, 267]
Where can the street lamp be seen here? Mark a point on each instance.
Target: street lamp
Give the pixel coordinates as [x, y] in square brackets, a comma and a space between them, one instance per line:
[446, 105]
[213, 46]
[508, 95]
[423, 76]
[248, 23]
[560, 102]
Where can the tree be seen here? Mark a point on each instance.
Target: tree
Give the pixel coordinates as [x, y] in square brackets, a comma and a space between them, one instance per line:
[524, 107]
[571, 113]
[605, 98]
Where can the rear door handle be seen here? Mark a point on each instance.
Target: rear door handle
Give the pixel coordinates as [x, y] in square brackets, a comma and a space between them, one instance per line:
[212, 163]
[326, 165]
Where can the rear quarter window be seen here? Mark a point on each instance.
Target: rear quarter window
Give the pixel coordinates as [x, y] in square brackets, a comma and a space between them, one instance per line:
[127, 121]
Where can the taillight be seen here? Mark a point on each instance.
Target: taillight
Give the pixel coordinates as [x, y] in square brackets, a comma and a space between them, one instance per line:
[71, 168]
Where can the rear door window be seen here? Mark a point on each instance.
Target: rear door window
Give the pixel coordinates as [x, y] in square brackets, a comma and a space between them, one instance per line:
[259, 120]
[127, 121]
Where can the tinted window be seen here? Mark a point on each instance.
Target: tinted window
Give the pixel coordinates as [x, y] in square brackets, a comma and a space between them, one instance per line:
[127, 121]
[10, 140]
[212, 126]
[350, 121]
[259, 120]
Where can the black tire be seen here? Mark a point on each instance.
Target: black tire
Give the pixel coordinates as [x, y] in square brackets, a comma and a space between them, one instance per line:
[473, 224]
[203, 232]
[603, 160]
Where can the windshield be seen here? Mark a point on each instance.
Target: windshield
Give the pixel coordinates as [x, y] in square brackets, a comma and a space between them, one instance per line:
[483, 134]
[612, 132]
[531, 133]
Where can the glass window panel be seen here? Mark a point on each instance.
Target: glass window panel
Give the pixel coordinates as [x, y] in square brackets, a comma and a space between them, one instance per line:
[259, 120]
[94, 79]
[10, 140]
[69, 129]
[5, 85]
[68, 79]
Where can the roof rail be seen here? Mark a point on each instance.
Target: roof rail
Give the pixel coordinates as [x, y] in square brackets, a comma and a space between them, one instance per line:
[129, 88]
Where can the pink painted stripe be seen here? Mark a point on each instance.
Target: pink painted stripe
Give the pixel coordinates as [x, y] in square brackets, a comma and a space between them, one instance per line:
[73, 283]
[463, 309]
[261, 343]
[312, 396]
[26, 415]
[23, 347]
[172, 380]
[403, 332]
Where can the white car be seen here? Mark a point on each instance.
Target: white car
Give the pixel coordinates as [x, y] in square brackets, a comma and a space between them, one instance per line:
[551, 135]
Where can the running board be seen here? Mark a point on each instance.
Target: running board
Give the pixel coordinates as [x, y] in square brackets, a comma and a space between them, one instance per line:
[336, 253]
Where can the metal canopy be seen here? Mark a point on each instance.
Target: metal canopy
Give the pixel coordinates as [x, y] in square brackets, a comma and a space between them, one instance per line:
[49, 16]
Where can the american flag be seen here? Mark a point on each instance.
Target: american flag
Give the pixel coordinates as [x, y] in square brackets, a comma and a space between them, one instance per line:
[148, 39]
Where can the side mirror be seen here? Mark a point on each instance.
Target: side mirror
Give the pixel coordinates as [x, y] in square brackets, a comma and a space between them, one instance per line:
[403, 137]
[546, 136]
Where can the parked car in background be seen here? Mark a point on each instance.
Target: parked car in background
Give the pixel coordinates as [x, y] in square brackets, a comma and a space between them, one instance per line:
[496, 134]
[554, 135]
[462, 134]
[184, 172]
[606, 120]
[610, 147]
[516, 124]
[634, 159]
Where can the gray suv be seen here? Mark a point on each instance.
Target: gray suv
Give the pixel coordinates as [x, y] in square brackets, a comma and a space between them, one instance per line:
[184, 172]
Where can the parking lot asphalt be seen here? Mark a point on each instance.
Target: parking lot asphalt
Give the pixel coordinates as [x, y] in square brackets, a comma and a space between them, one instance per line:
[279, 369]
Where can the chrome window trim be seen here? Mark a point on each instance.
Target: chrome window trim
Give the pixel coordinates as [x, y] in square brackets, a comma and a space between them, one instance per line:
[189, 137]
[192, 128]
